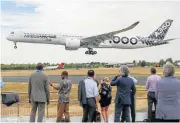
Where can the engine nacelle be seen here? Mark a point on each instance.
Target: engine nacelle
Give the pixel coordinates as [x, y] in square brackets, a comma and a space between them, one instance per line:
[72, 44]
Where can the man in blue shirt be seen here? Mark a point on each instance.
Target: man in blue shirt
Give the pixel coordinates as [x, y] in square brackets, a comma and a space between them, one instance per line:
[125, 87]
[1, 83]
[91, 97]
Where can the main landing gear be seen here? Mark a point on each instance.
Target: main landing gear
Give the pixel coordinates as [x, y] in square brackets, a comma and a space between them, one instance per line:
[15, 46]
[90, 52]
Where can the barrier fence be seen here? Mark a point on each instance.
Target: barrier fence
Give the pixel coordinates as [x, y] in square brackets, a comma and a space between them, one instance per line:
[23, 108]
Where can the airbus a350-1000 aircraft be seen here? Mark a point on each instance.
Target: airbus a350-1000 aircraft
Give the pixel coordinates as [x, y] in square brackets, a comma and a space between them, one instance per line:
[107, 40]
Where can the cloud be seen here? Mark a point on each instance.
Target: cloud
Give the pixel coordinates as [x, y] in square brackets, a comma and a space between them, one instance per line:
[29, 2]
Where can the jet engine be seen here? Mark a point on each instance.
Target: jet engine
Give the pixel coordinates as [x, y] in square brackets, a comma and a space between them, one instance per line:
[72, 44]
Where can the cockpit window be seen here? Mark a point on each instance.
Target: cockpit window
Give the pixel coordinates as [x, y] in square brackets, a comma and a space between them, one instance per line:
[12, 32]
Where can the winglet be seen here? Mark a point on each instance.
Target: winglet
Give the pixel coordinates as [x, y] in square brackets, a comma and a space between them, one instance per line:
[126, 29]
[136, 23]
[132, 26]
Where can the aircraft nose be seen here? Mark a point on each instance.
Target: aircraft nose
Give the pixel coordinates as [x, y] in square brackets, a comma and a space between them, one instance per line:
[8, 37]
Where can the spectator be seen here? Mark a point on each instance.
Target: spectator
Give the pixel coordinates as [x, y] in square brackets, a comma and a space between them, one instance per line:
[123, 95]
[1, 83]
[91, 90]
[97, 82]
[168, 96]
[64, 93]
[133, 104]
[38, 91]
[151, 86]
[1, 86]
[105, 97]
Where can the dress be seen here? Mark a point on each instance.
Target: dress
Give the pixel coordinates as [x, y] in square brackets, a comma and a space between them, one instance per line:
[105, 100]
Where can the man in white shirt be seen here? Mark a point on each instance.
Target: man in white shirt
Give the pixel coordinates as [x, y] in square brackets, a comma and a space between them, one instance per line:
[91, 97]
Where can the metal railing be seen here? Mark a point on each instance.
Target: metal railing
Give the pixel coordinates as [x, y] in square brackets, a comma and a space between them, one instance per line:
[23, 108]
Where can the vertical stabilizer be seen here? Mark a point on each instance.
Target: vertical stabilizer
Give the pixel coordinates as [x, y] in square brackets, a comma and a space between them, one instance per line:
[161, 32]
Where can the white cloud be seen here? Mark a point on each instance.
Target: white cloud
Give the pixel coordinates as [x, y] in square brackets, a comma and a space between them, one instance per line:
[90, 18]
[29, 2]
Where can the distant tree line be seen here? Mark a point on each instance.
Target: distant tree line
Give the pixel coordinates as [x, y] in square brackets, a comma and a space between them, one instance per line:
[144, 63]
[33, 66]
[140, 63]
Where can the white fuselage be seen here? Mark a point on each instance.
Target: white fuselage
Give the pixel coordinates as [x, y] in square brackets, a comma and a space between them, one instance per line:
[120, 42]
[51, 68]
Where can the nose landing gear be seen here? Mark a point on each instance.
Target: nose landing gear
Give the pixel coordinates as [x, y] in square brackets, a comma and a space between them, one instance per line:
[90, 52]
[15, 46]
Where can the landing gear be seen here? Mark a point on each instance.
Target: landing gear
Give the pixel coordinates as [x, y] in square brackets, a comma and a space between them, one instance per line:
[15, 46]
[90, 52]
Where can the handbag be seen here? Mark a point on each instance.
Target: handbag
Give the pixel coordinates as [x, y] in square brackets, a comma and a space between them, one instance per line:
[97, 116]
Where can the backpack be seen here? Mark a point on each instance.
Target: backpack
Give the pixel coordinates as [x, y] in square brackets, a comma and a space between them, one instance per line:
[105, 90]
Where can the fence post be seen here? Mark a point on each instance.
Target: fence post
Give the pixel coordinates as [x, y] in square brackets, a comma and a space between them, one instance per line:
[47, 111]
[18, 109]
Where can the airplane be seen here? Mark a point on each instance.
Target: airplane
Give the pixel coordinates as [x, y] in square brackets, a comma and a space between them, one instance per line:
[60, 66]
[106, 40]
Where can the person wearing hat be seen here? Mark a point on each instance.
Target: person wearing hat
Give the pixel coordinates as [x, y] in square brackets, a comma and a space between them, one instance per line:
[64, 93]
[38, 92]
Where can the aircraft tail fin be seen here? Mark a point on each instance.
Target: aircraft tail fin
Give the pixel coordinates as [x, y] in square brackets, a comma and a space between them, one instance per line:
[161, 32]
[61, 65]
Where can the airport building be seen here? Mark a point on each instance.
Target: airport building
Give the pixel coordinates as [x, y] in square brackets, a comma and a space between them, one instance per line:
[117, 65]
[178, 64]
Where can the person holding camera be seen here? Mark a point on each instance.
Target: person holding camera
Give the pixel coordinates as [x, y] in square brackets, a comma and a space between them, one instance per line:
[64, 89]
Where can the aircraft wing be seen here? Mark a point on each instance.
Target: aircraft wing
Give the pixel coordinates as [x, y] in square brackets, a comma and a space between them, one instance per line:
[96, 40]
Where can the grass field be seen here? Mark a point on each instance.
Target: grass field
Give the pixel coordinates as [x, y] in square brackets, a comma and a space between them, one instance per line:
[139, 71]
[75, 109]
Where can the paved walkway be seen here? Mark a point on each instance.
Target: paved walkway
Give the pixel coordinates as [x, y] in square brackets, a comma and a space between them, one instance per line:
[140, 116]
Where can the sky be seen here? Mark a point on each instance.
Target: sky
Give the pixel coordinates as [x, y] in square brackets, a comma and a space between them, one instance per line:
[87, 18]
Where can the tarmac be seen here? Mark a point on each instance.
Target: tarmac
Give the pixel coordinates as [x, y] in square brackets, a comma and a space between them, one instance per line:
[56, 78]
[140, 116]
[75, 78]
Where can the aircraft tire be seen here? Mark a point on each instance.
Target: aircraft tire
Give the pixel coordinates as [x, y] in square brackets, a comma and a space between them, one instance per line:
[87, 52]
[95, 52]
[92, 52]
[15, 47]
